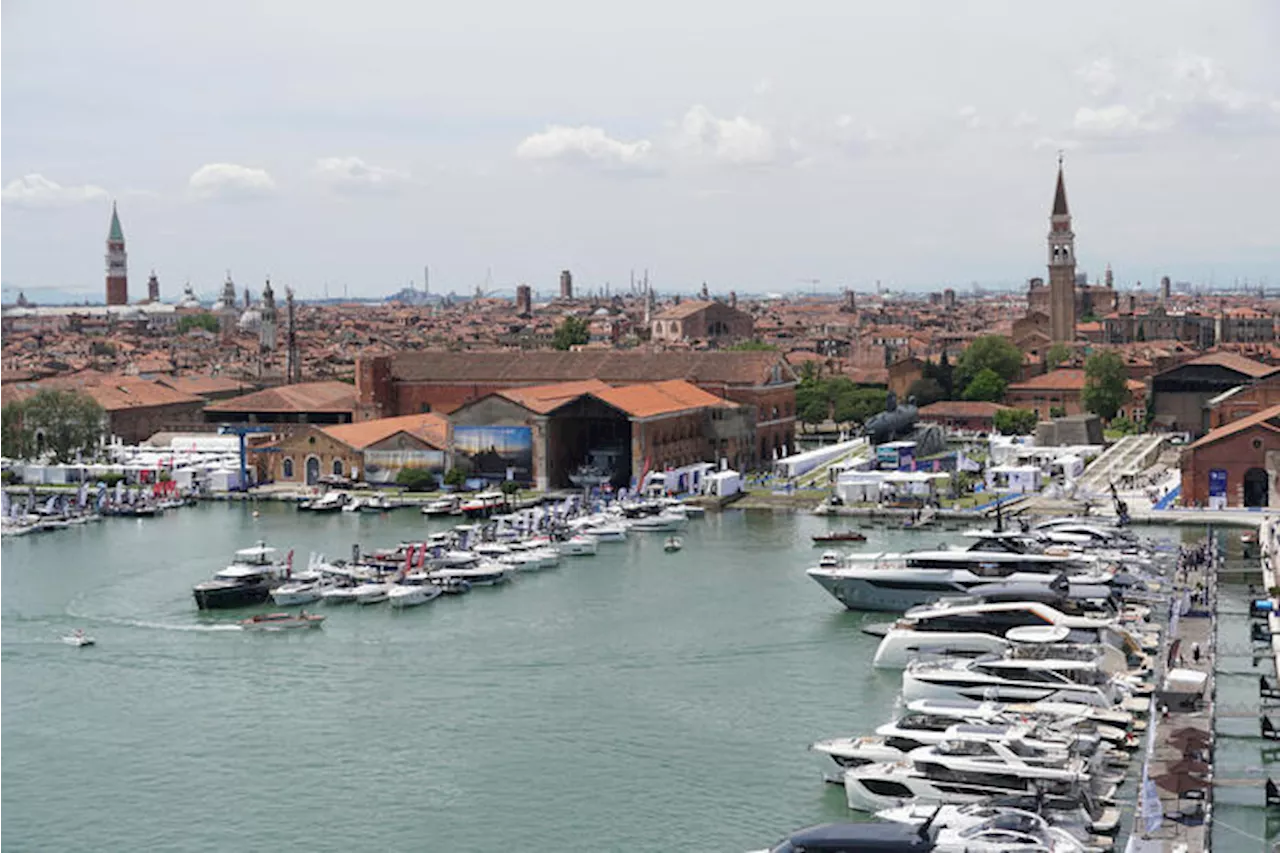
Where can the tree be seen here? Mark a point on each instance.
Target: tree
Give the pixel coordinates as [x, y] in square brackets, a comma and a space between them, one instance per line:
[455, 477]
[1124, 426]
[1014, 421]
[1057, 354]
[203, 320]
[1105, 389]
[752, 346]
[989, 352]
[571, 332]
[67, 424]
[856, 405]
[926, 391]
[812, 408]
[416, 479]
[1057, 411]
[943, 374]
[987, 385]
[12, 439]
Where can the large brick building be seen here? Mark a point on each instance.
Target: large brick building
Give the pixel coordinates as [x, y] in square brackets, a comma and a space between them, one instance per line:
[136, 408]
[1063, 390]
[373, 451]
[1236, 465]
[701, 321]
[435, 381]
[1180, 395]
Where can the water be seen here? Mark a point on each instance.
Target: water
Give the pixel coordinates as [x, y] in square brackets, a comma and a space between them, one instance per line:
[637, 700]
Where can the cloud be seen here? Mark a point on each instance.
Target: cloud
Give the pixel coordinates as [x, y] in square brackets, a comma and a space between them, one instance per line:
[738, 141]
[1024, 120]
[1099, 77]
[37, 191]
[1197, 95]
[969, 117]
[230, 181]
[353, 175]
[1115, 121]
[589, 146]
[858, 139]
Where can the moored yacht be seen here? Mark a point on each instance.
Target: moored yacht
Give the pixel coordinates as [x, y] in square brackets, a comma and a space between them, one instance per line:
[446, 505]
[412, 591]
[1011, 679]
[253, 573]
[898, 581]
[664, 522]
[977, 827]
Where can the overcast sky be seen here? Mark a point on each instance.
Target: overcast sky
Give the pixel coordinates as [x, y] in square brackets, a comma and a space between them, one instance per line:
[750, 145]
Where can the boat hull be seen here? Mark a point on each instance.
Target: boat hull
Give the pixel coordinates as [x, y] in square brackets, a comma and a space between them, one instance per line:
[241, 595]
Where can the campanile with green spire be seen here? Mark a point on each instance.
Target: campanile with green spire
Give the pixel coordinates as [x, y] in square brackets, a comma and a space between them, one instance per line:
[117, 263]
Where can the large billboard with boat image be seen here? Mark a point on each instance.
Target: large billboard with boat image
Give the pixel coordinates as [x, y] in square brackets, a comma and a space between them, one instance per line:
[495, 452]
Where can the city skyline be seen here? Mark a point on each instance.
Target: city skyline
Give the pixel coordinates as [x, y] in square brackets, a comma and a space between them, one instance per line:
[909, 145]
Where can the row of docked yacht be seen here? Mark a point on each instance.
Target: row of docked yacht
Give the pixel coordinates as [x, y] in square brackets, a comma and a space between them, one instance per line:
[1026, 663]
[451, 562]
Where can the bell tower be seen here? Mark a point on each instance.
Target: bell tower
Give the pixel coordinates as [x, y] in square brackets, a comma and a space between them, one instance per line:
[117, 263]
[1062, 266]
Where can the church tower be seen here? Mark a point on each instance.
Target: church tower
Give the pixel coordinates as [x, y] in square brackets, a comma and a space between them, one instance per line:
[1062, 267]
[117, 263]
[267, 331]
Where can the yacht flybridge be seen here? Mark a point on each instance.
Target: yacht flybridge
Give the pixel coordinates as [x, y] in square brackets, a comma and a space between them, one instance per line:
[253, 574]
[898, 581]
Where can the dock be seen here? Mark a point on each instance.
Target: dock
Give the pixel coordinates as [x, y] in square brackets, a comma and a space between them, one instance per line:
[1175, 796]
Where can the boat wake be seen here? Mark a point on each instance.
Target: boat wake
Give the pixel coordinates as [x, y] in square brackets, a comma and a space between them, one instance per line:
[154, 626]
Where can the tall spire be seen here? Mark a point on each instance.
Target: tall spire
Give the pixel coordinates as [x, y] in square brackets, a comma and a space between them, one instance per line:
[116, 234]
[1060, 194]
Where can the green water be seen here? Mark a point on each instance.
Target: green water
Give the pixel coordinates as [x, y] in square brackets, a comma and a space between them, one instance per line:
[637, 700]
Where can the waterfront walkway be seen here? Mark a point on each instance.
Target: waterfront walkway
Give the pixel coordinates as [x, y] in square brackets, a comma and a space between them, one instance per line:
[1181, 736]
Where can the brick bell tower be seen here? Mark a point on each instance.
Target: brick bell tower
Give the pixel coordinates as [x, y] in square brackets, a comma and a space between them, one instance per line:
[1062, 267]
[117, 263]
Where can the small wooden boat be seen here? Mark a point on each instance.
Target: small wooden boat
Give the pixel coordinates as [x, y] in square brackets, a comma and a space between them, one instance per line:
[839, 536]
[78, 638]
[672, 544]
[282, 621]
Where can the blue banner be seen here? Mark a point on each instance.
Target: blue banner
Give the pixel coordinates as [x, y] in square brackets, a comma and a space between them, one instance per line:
[1217, 483]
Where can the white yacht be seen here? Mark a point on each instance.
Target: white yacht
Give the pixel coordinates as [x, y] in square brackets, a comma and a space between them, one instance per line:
[980, 827]
[484, 574]
[302, 588]
[412, 591]
[371, 592]
[341, 594]
[898, 581]
[447, 505]
[663, 522]
[1012, 679]
[964, 770]
[578, 546]
[969, 629]
[1080, 818]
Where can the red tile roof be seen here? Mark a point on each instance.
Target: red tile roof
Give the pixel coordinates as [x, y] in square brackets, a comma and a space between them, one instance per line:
[614, 367]
[113, 392]
[1267, 418]
[304, 397]
[660, 398]
[428, 427]
[547, 398]
[961, 409]
[1233, 361]
[202, 386]
[1062, 379]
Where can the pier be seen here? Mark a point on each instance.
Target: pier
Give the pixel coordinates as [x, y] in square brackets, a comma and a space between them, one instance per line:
[1175, 795]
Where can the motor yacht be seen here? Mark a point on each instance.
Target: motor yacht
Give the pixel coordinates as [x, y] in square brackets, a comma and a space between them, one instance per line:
[975, 826]
[663, 522]
[1011, 679]
[848, 837]
[966, 628]
[282, 621]
[343, 593]
[412, 591]
[482, 504]
[328, 502]
[371, 592]
[302, 588]
[1081, 817]
[447, 505]
[253, 574]
[963, 770]
[484, 574]
[601, 529]
[898, 581]
[578, 546]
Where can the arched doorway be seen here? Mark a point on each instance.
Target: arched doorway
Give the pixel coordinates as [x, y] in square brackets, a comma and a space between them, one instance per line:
[313, 470]
[1255, 487]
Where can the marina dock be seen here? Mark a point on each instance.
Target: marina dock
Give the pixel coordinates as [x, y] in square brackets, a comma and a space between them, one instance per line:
[1175, 795]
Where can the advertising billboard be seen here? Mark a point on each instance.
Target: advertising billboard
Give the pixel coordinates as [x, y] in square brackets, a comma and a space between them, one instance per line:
[495, 452]
[1217, 488]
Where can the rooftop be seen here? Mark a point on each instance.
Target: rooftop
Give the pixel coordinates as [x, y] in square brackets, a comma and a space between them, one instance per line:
[1267, 418]
[428, 427]
[304, 397]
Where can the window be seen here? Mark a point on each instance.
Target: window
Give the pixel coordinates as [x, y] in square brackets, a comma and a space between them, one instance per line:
[287, 469]
[424, 408]
[337, 467]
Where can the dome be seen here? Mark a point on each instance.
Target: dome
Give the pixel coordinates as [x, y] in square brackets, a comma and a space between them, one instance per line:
[189, 299]
[250, 320]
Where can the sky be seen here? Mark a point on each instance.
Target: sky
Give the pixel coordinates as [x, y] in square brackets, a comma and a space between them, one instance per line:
[754, 146]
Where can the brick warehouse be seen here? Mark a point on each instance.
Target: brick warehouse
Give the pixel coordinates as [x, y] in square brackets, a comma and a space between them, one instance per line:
[434, 381]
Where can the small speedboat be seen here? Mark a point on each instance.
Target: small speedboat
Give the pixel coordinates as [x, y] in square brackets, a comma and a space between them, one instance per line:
[411, 594]
[78, 638]
[282, 621]
[672, 544]
[839, 536]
